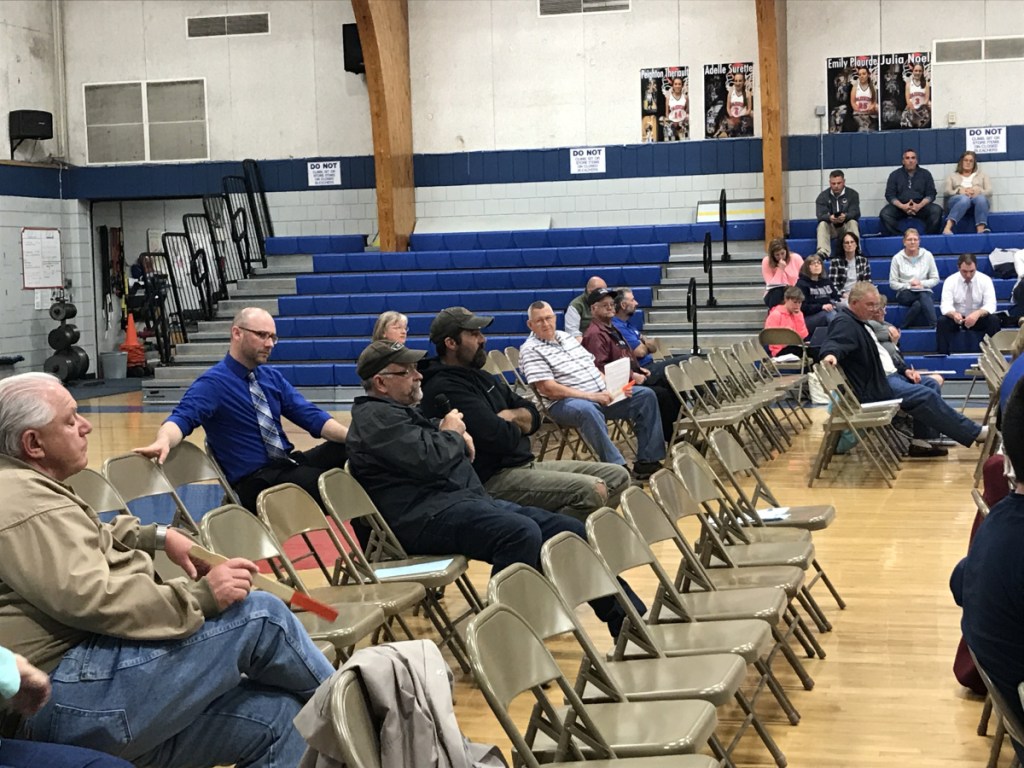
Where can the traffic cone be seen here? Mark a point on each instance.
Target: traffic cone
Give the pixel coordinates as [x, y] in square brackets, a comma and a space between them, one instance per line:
[136, 352]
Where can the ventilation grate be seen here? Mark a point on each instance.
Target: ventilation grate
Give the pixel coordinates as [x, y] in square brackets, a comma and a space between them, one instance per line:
[570, 7]
[1004, 48]
[957, 50]
[234, 24]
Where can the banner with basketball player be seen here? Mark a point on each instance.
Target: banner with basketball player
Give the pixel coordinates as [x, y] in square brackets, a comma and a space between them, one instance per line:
[664, 104]
[906, 80]
[853, 101]
[887, 92]
[729, 100]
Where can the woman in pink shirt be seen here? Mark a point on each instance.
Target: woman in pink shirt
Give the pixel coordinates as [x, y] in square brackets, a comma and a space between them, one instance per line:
[780, 268]
[788, 315]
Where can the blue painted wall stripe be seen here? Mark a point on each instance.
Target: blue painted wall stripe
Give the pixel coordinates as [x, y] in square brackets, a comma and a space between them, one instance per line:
[936, 147]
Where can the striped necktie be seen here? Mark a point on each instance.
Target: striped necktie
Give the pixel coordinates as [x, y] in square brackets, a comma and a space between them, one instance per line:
[268, 427]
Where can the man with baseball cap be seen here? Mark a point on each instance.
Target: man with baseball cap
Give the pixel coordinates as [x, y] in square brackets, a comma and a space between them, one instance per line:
[419, 473]
[502, 422]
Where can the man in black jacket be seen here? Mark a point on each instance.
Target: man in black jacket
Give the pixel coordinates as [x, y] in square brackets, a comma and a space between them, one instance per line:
[874, 375]
[419, 474]
[502, 422]
[838, 210]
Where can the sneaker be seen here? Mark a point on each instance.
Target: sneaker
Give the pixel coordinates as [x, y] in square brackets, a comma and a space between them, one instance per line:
[644, 469]
[922, 452]
[983, 435]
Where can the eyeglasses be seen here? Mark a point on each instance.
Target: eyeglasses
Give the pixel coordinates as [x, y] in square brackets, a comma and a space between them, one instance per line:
[261, 335]
[402, 373]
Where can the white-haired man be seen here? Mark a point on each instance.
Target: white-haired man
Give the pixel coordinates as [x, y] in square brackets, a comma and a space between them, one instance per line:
[240, 403]
[189, 672]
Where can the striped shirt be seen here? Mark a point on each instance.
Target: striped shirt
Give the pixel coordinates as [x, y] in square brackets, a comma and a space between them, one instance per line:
[563, 359]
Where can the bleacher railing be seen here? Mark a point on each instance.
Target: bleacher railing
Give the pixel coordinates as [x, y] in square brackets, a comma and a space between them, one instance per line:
[709, 270]
[245, 223]
[191, 276]
[723, 221]
[251, 171]
[225, 245]
[691, 311]
[163, 299]
[200, 240]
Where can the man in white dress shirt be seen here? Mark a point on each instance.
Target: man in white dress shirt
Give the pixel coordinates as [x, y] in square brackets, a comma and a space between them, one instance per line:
[968, 304]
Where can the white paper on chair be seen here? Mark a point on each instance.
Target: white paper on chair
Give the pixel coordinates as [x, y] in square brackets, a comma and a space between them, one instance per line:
[881, 404]
[413, 570]
[773, 513]
[617, 376]
[787, 358]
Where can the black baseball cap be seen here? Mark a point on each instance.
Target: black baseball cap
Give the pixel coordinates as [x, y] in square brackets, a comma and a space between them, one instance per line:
[454, 319]
[595, 296]
[380, 354]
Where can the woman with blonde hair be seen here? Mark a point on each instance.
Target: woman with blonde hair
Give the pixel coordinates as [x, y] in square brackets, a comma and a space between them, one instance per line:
[391, 326]
[967, 187]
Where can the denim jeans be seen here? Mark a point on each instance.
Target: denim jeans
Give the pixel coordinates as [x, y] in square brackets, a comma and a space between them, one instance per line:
[959, 205]
[502, 533]
[15, 753]
[930, 412]
[591, 420]
[922, 308]
[225, 695]
[568, 487]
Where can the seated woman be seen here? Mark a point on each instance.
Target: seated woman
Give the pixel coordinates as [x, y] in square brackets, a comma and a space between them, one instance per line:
[913, 274]
[788, 315]
[391, 326]
[967, 187]
[821, 299]
[849, 268]
[780, 268]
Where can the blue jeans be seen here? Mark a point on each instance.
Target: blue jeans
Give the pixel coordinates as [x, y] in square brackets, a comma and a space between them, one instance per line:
[225, 695]
[959, 205]
[502, 533]
[15, 753]
[591, 420]
[922, 308]
[931, 414]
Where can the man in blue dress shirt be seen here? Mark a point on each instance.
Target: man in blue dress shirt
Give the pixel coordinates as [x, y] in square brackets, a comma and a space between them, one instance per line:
[240, 402]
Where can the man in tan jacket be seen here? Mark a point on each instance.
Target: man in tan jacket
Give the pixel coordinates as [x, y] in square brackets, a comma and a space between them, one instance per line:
[190, 672]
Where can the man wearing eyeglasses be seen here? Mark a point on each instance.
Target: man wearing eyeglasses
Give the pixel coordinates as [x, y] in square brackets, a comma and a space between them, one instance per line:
[240, 403]
[420, 475]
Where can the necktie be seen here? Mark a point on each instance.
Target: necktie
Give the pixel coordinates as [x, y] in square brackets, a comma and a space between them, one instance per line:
[268, 427]
[968, 298]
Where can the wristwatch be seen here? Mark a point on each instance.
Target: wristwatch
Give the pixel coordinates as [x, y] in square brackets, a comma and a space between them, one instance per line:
[161, 538]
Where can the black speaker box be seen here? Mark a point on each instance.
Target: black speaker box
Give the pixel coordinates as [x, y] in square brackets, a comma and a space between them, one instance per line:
[353, 49]
[32, 124]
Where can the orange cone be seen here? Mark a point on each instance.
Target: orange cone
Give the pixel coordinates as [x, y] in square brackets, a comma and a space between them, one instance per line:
[136, 352]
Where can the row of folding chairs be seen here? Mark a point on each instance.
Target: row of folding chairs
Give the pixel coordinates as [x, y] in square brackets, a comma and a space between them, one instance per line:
[382, 582]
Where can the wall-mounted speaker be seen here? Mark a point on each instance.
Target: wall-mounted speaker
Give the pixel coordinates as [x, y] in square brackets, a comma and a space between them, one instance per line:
[34, 124]
[353, 49]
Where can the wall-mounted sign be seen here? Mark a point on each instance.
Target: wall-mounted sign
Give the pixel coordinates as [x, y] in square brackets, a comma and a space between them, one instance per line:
[586, 160]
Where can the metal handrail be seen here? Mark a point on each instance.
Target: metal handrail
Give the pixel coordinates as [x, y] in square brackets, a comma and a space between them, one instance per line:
[691, 311]
[723, 221]
[709, 270]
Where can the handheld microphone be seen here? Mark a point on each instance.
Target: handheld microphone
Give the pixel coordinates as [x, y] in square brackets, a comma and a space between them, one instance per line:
[443, 405]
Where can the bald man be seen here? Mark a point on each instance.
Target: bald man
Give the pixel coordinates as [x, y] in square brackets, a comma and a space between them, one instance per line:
[240, 402]
[577, 314]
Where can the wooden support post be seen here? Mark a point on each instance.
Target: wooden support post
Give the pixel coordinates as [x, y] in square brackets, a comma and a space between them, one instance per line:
[384, 36]
[771, 15]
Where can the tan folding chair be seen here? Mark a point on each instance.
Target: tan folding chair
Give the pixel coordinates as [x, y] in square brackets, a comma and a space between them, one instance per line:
[1008, 724]
[621, 547]
[136, 477]
[188, 464]
[715, 678]
[733, 389]
[346, 501]
[751, 356]
[354, 725]
[509, 660]
[233, 531]
[96, 491]
[290, 513]
[656, 527]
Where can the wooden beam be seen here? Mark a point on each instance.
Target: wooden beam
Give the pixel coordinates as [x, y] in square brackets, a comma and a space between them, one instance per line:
[384, 36]
[771, 15]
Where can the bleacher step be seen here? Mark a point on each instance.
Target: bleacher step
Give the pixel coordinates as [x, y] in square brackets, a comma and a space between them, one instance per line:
[263, 285]
[228, 308]
[676, 295]
[718, 316]
[740, 272]
[738, 249]
[292, 263]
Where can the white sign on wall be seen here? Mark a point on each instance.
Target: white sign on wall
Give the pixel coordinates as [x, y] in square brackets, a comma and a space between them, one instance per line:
[987, 141]
[40, 257]
[324, 173]
[586, 160]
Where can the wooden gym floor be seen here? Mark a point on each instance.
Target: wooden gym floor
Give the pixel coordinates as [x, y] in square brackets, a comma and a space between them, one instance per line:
[886, 695]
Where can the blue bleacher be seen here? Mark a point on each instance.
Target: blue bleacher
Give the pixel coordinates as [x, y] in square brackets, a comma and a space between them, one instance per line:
[870, 225]
[283, 246]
